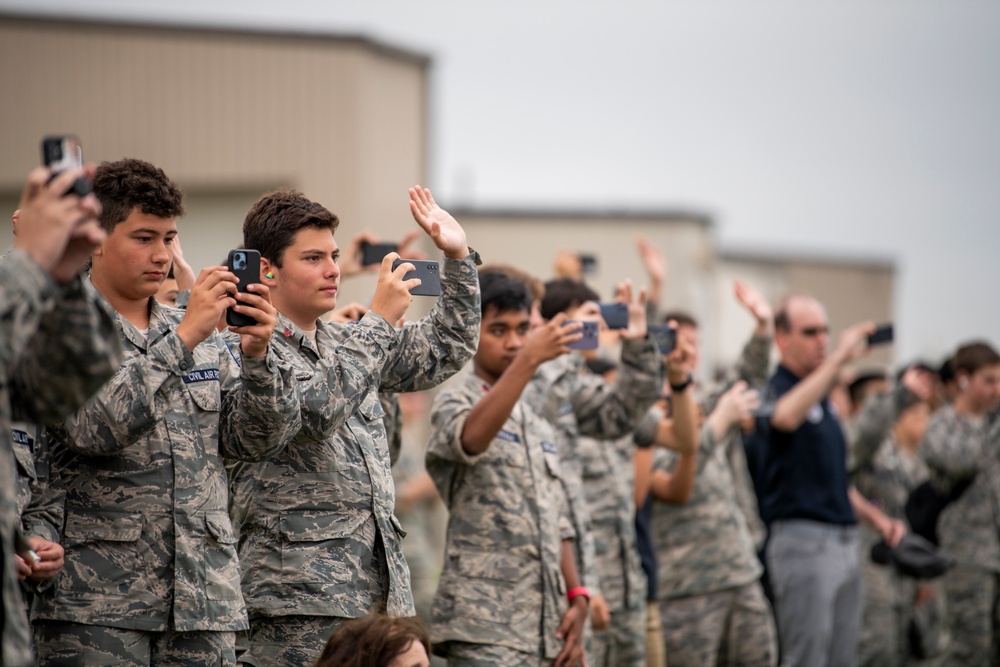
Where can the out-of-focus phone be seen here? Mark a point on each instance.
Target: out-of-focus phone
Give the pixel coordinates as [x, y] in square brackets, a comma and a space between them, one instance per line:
[245, 264]
[665, 338]
[427, 271]
[881, 335]
[615, 315]
[588, 264]
[62, 153]
[374, 253]
[589, 339]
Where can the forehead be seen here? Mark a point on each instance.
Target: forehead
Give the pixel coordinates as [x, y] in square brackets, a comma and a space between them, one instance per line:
[138, 220]
[309, 238]
[805, 312]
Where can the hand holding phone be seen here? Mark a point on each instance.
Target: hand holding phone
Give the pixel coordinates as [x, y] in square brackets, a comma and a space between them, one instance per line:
[245, 265]
[427, 271]
[60, 153]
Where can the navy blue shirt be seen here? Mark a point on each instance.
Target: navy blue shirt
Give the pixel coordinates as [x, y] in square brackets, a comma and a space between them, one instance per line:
[803, 474]
[644, 541]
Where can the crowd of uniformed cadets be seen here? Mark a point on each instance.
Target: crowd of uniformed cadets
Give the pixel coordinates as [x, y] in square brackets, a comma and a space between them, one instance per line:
[182, 492]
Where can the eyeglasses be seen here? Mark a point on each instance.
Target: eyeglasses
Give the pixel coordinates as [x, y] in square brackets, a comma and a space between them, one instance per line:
[812, 332]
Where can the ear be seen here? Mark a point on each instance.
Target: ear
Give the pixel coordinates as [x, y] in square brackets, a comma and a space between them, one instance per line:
[963, 381]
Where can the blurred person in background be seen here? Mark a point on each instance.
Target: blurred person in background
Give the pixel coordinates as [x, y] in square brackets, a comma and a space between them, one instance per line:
[962, 450]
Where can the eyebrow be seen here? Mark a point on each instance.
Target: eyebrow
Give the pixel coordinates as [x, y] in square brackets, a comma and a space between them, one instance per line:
[155, 232]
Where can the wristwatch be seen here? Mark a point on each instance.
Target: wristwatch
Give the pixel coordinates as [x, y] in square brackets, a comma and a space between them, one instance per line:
[676, 388]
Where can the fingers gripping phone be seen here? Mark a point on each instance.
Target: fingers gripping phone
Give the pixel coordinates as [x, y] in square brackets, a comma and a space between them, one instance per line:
[62, 153]
[245, 264]
[427, 271]
[374, 253]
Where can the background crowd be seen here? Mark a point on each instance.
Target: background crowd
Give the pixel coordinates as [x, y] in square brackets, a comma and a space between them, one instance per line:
[183, 491]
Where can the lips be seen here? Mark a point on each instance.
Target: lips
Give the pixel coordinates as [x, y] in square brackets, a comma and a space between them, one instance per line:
[155, 275]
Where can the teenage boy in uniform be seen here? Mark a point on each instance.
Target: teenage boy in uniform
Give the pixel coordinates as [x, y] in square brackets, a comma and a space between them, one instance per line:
[318, 540]
[509, 593]
[150, 574]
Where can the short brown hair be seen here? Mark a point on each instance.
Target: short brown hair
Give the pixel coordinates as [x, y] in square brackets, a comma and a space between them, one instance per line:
[782, 322]
[973, 356]
[273, 221]
[129, 184]
[372, 641]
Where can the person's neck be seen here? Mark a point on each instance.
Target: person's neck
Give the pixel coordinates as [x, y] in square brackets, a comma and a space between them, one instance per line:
[135, 310]
[483, 374]
[964, 406]
[304, 321]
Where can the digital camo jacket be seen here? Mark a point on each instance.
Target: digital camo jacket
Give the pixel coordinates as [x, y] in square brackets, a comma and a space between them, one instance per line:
[149, 544]
[501, 583]
[56, 349]
[310, 517]
[579, 403]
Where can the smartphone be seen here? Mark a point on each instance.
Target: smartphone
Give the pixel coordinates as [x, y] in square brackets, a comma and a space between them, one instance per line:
[62, 153]
[588, 264]
[589, 340]
[374, 253]
[881, 335]
[427, 271]
[765, 409]
[615, 315]
[246, 265]
[665, 337]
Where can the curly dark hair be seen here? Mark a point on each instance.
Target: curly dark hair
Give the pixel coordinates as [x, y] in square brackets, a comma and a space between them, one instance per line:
[273, 221]
[372, 641]
[129, 184]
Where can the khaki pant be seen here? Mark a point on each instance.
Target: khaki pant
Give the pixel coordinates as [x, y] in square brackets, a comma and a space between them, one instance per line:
[655, 656]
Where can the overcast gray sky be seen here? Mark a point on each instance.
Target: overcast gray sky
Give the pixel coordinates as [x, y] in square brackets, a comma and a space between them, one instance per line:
[847, 127]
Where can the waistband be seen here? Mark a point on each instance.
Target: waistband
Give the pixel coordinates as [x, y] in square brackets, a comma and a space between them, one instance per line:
[816, 529]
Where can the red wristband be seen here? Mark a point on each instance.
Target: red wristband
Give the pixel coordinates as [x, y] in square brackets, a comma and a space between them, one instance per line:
[576, 592]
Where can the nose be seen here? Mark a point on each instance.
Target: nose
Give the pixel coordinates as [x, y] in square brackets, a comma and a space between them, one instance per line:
[333, 269]
[162, 253]
[514, 341]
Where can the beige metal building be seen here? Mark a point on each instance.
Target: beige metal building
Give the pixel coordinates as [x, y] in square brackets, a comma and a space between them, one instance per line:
[230, 114]
[227, 114]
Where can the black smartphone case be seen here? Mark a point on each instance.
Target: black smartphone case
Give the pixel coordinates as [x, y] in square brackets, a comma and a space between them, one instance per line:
[429, 274]
[248, 271]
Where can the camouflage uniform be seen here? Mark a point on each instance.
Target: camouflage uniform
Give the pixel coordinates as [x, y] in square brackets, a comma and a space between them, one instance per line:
[56, 349]
[318, 537]
[501, 584]
[608, 485]
[149, 544]
[956, 447]
[886, 482]
[579, 402]
[712, 605]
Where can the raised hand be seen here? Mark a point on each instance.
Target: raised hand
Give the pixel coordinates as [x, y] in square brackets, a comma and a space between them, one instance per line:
[656, 266]
[853, 342]
[59, 232]
[183, 273]
[756, 304]
[549, 340]
[443, 229]
[637, 328]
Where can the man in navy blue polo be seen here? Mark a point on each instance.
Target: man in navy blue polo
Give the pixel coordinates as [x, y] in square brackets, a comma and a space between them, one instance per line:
[806, 497]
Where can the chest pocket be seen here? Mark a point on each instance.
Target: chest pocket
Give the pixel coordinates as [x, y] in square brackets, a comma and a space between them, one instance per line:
[25, 461]
[203, 385]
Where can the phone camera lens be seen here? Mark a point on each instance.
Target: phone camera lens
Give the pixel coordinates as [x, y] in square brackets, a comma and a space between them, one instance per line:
[239, 261]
